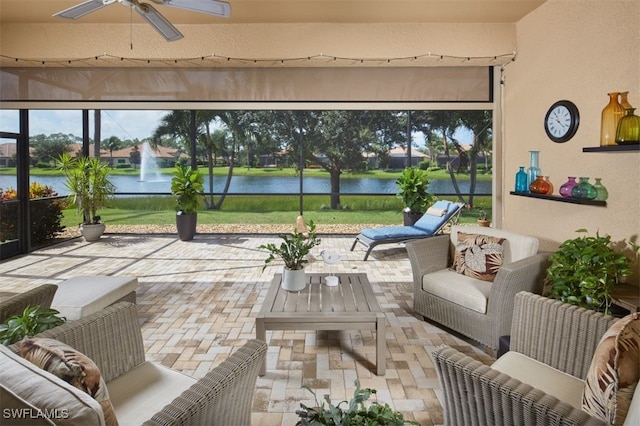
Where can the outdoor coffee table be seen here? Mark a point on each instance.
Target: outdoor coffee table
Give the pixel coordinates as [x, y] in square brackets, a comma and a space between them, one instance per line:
[351, 305]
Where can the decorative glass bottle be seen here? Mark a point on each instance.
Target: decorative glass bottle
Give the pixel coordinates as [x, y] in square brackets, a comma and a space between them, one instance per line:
[548, 180]
[624, 101]
[521, 181]
[611, 114]
[534, 170]
[603, 194]
[628, 131]
[539, 186]
[584, 190]
[567, 187]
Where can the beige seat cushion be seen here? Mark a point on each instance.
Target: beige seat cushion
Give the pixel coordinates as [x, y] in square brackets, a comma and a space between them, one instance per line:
[553, 382]
[140, 393]
[26, 386]
[459, 289]
[80, 296]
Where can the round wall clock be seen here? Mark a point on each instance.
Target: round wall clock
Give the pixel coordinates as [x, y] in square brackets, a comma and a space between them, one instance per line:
[561, 121]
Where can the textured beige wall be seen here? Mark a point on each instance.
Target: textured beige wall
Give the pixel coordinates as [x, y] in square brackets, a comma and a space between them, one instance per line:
[259, 41]
[578, 50]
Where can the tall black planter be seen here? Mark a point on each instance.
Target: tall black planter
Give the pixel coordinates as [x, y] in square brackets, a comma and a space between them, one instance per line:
[410, 218]
[186, 224]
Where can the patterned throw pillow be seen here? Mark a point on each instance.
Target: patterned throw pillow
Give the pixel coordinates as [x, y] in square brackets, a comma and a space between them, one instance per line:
[613, 374]
[71, 366]
[478, 256]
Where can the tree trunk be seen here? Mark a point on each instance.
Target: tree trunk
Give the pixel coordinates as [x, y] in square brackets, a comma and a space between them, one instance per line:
[335, 189]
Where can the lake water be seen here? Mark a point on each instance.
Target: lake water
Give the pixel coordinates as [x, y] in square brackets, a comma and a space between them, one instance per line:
[253, 184]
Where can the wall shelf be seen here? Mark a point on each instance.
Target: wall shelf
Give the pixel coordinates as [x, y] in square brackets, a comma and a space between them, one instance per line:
[561, 199]
[613, 148]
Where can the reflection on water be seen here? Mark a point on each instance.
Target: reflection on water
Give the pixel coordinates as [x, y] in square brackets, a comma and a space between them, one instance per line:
[255, 184]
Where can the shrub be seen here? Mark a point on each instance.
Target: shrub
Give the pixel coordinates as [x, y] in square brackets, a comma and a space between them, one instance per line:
[46, 213]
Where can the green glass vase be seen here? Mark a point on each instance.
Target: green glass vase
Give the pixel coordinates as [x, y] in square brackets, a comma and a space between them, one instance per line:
[584, 190]
[628, 130]
[602, 192]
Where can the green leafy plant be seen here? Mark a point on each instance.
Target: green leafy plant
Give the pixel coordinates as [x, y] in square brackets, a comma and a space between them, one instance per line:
[585, 269]
[412, 190]
[293, 248]
[34, 320]
[187, 185]
[89, 184]
[355, 413]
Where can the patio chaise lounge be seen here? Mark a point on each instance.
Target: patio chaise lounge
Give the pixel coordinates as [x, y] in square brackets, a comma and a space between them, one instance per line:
[430, 224]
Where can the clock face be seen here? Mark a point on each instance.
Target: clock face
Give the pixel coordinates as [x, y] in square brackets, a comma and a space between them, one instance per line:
[561, 121]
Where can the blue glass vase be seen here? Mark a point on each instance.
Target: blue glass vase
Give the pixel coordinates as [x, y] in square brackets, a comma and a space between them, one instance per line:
[534, 169]
[521, 181]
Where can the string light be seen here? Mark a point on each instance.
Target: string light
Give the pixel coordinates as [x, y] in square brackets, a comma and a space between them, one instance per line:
[321, 58]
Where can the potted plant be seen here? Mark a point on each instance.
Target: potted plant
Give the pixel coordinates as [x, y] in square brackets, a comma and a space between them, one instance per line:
[187, 185]
[584, 270]
[412, 189]
[34, 320]
[293, 251]
[355, 413]
[482, 219]
[90, 187]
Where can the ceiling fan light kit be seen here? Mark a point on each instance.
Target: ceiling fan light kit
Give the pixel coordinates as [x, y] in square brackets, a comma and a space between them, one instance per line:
[150, 14]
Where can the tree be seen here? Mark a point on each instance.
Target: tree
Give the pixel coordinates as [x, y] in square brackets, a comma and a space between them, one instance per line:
[114, 143]
[479, 123]
[47, 149]
[134, 156]
[444, 124]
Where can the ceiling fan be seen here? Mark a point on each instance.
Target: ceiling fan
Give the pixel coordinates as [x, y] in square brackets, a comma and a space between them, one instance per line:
[150, 14]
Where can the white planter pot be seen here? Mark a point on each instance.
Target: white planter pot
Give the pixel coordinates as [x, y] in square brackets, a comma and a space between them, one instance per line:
[293, 280]
[92, 232]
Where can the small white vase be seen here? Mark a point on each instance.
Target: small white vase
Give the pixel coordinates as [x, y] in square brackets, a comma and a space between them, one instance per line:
[293, 280]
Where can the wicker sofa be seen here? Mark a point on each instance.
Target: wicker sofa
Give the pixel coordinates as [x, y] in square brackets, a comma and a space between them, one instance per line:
[41, 295]
[141, 392]
[478, 309]
[540, 381]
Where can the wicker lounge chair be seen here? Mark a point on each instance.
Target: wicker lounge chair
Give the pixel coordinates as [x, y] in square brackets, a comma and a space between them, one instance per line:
[540, 381]
[430, 224]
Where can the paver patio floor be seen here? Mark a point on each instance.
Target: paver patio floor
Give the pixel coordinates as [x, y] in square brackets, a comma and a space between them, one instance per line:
[198, 300]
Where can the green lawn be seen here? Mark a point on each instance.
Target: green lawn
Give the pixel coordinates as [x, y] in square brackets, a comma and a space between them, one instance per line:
[384, 210]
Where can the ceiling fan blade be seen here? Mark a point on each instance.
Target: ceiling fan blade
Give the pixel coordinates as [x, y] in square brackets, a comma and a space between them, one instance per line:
[212, 7]
[159, 22]
[82, 9]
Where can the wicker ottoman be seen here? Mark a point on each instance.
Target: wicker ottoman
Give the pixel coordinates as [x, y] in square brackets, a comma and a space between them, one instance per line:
[80, 296]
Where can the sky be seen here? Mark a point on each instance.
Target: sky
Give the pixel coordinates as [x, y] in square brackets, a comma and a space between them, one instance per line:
[123, 124]
[127, 125]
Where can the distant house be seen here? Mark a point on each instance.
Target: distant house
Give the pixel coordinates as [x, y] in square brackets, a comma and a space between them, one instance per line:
[7, 155]
[396, 159]
[165, 157]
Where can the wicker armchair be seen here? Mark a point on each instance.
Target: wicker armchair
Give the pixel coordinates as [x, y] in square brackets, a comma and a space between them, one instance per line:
[431, 259]
[113, 340]
[14, 305]
[555, 334]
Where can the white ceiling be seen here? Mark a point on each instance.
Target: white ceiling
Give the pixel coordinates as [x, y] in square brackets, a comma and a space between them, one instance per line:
[294, 11]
